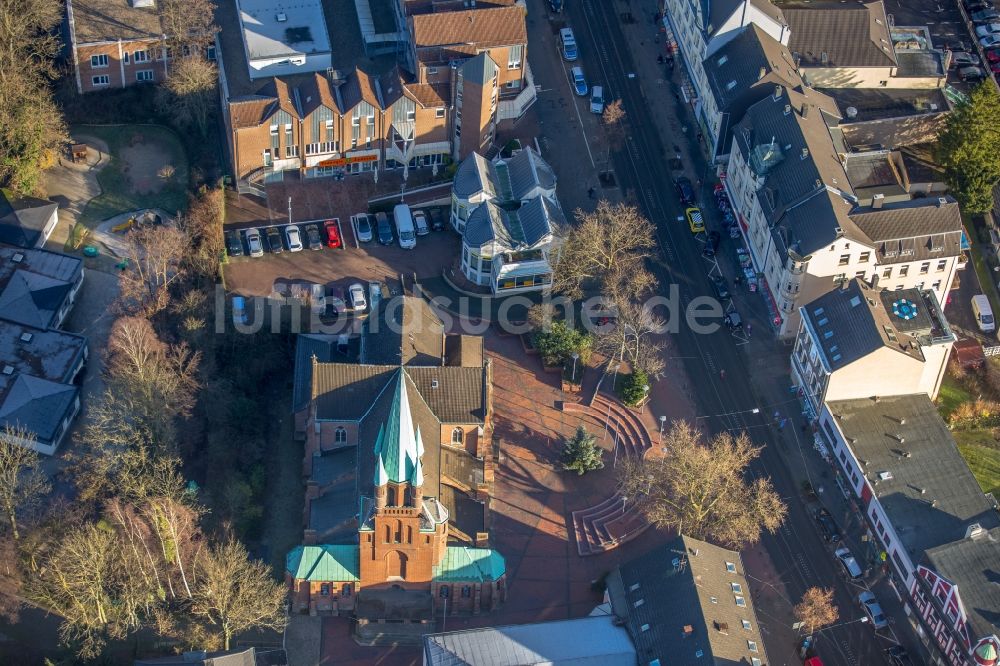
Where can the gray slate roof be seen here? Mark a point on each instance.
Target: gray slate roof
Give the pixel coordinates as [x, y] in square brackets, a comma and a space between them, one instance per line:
[835, 35]
[306, 346]
[405, 330]
[474, 175]
[912, 230]
[581, 642]
[36, 404]
[479, 70]
[927, 460]
[23, 219]
[33, 283]
[514, 229]
[803, 177]
[752, 58]
[716, 12]
[654, 592]
[850, 323]
[973, 565]
[528, 170]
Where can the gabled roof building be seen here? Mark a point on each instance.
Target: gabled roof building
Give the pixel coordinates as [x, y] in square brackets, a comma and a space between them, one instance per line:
[937, 532]
[26, 221]
[510, 220]
[398, 456]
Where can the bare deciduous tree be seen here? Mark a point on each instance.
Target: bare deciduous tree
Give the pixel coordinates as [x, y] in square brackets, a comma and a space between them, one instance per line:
[816, 610]
[203, 225]
[187, 23]
[699, 488]
[608, 247]
[23, 484]
[613, 120]
[188, 94]
[235, 593]
[633, 337]
[155, 263]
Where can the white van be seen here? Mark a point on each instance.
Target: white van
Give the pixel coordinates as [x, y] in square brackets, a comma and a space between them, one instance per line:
[404, 226]
[984, 313]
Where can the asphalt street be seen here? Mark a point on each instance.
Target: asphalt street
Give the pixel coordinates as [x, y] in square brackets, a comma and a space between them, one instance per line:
[741, 399]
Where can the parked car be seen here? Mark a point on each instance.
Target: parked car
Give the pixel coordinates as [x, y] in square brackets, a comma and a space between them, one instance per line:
[973, 6]
[332, 230]
[313, 238]
[597, 100]
[569, 51]
[363, 223]
[580, 86]
[294, 238]
[404, 226]
[711, 244]
[831, 533]
[720, 287]
[873, 609]
[420, 223]
[989, 41]
[695, 220]
[987, 29]
[437, 219]
[898, 656]
[240, 311]
[993, 56]
[985, 15]
[556, 5]
[384, 229]
[256, 246]
[954, 45]
[972, 73]
[356, 297]
[234, 246]
[847, 561]
[685, 190]
[733, 321]
[274, 240]
[963, 59]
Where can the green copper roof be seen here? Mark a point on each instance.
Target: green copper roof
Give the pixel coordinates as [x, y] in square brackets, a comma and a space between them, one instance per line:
[398, 445]
[418, 474]
[462, 564]
[323, 563]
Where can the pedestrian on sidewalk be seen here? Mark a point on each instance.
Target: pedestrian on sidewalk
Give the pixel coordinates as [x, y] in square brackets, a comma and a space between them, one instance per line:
[749, 329]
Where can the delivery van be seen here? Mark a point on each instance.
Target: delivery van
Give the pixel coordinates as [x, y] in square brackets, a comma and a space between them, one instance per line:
[404, 227]
[984, 313]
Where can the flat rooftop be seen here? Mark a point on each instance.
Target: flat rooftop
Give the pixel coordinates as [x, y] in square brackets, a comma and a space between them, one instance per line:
[110, 20]
[47, 353]
[880, 104]
[277, 28]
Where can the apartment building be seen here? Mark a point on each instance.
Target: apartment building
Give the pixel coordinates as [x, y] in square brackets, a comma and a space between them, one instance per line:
[462, 73]
[859, 340]
[701, 28]
[803, 223]
[930, 522]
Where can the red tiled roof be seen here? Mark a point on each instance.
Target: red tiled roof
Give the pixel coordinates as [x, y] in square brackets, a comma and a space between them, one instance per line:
[499, 26]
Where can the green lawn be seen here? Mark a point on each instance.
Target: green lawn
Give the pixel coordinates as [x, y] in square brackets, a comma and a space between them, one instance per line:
[982, 453]
[117, 195]
[951, 395]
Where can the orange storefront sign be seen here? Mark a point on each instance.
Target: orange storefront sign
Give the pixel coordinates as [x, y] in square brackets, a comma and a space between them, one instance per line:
[344, 161]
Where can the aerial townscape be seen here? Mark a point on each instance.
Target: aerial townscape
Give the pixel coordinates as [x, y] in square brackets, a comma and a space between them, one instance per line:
[500, 332]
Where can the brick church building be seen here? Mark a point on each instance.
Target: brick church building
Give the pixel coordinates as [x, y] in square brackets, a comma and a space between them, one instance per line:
[398, 457]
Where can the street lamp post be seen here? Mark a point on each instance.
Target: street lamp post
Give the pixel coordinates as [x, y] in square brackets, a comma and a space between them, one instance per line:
[663, 422]
[573, 376]
[645, 392]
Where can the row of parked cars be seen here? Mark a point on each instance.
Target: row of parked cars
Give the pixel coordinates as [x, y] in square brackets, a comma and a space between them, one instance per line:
[277, 239]
[986, 19]
[570, 53]
[408, 224]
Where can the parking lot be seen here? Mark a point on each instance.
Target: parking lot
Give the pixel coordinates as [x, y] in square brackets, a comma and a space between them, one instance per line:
[261, 276]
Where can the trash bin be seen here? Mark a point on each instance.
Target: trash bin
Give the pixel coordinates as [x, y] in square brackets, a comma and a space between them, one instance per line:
[90, 251]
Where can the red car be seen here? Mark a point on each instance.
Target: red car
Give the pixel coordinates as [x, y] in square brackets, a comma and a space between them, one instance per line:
[993, 56]
[332, 233]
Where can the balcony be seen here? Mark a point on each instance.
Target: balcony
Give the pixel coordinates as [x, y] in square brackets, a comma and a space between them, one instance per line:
[512, 109]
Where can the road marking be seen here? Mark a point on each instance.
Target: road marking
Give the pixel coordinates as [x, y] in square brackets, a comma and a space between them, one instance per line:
[576, 109]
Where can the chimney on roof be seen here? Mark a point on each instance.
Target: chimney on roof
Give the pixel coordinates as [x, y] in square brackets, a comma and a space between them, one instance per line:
[877, 201]
[762, 73]
[805, 110]
[788, 109]
[875, 280]
[942, 201]
[777, 93]
[973, 530]
[688, 631]
[805, 153]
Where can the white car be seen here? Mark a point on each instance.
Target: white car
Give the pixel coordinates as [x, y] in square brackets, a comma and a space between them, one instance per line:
[363, 224]
[294, 238]
[848, 562]
[356, 297]
[256, 246]
[597, 100]
[569, 51]
[420, 223]
[873, 609]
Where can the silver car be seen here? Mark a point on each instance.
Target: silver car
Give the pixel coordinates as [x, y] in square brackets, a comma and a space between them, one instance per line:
[294, 238]
[253, 240]
[363, 223]
[356, 296]
[873, 609]
[848, 562]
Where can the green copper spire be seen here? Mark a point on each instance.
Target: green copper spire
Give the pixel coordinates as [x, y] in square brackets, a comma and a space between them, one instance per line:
[397, 444]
